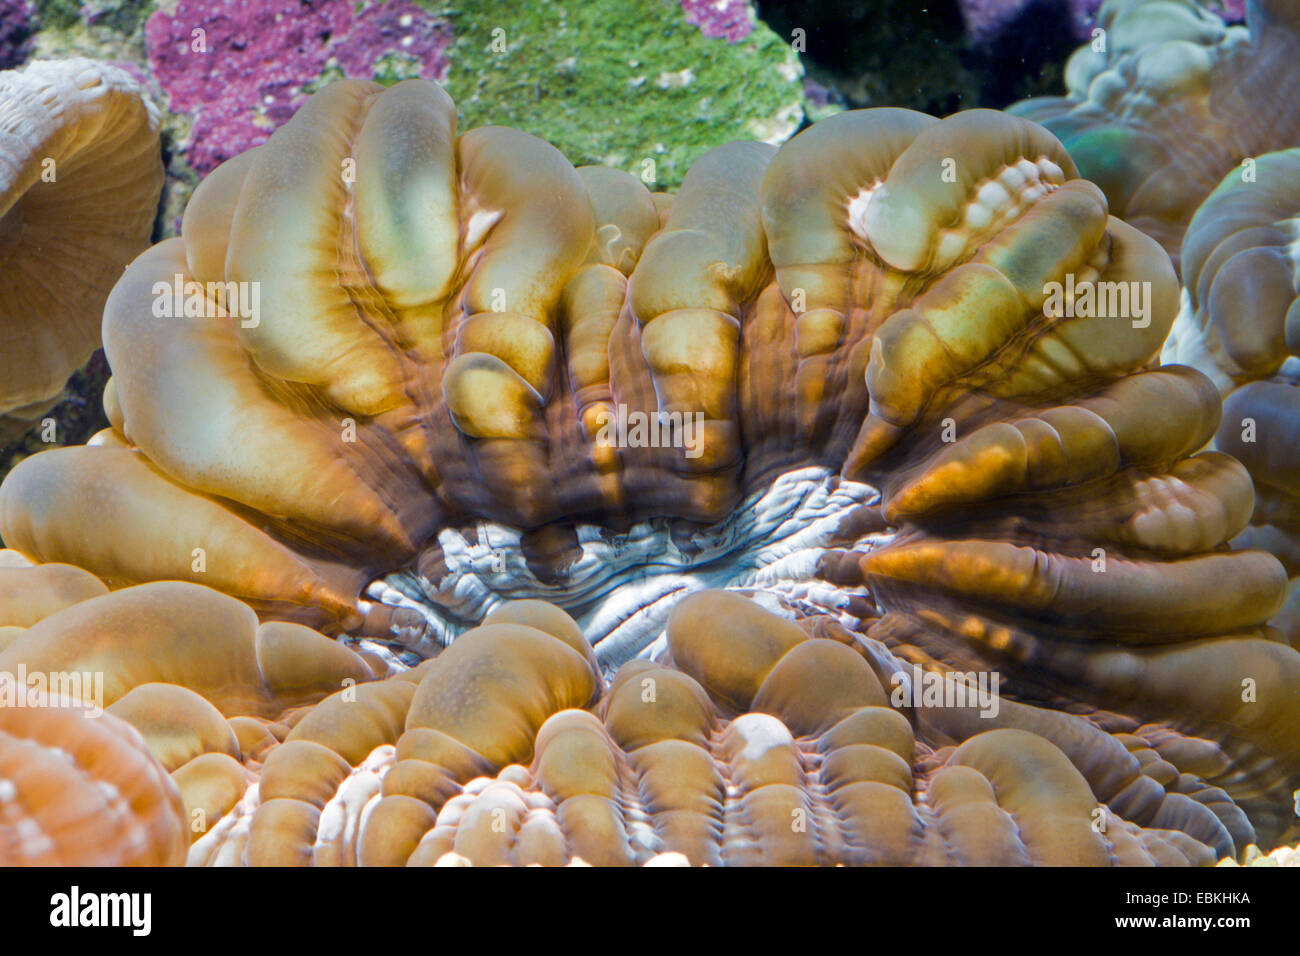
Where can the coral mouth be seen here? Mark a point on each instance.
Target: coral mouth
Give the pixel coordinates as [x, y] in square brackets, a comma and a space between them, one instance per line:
[620, 587]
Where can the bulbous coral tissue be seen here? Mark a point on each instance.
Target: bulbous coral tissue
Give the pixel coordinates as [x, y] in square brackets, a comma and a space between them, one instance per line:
[461, 506]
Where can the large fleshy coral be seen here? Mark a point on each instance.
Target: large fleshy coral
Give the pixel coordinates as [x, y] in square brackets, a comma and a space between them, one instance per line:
[1172, 100]
[103, 696]
[80, 174]
[189, 636]
[509, 751]
[77, 790]
[912, 367]
[1240, 324]
[511, 748]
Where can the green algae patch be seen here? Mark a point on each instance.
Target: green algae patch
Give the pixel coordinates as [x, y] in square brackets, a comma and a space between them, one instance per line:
[59, 14]
[98, 29]
[625, 83]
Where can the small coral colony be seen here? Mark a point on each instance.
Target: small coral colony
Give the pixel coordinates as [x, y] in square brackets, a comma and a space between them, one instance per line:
[912, 491]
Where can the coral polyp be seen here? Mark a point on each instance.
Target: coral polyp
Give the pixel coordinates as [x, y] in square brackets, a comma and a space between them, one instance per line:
[1166, 99]
[80, 173]
[844, 486]
[906, 491]
[511, 748]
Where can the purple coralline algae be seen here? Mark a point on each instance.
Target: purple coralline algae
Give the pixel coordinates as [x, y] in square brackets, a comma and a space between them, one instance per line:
[987, 19]
[15, 32]
[729, 19]
[242, 68]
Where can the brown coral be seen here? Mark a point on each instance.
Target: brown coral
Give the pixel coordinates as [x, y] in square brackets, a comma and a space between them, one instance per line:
[1171, 101]
[1239, 325]
[189, 636]
[77, 790]
[930, 428]
[510, 748]
[505, 757]
[104, 698]
[80, 175]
